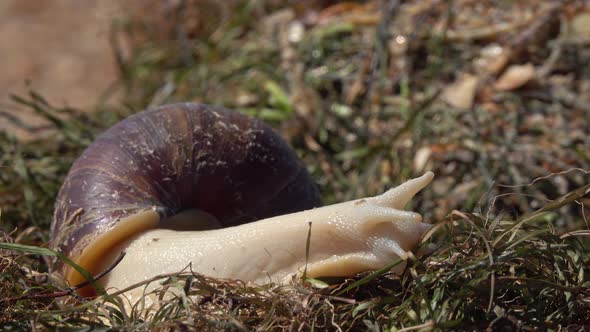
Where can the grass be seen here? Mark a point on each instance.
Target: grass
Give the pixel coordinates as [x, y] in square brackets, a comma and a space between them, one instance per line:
[362, 99]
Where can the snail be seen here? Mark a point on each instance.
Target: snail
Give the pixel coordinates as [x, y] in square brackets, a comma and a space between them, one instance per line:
[195, 184]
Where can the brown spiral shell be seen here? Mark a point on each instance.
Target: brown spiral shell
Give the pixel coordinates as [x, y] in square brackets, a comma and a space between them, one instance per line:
[177, 157]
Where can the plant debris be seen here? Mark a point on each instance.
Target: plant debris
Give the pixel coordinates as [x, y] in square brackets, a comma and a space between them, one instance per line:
[369, 94]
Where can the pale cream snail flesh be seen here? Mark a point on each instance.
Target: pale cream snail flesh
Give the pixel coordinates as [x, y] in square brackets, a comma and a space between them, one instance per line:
[198, 185]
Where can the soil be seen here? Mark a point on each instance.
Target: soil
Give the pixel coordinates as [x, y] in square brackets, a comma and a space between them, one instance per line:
[58, 48]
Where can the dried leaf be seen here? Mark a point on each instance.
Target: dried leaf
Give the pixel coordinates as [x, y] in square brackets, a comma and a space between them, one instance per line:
[493, 58]
[461, 93]
[579, 27]
[422, 158]
[515, 77]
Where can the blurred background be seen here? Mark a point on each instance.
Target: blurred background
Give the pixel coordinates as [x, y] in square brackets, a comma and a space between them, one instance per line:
[368, 92]
[59, 48]
[493, 96]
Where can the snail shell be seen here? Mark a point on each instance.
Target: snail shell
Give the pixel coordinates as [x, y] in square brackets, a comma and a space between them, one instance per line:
[169, 159]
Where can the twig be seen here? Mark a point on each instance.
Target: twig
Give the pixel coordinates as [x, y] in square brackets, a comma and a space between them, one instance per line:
[586, 172]
[307, 248]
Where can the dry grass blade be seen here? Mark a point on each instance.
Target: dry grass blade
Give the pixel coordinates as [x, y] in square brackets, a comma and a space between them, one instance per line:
[565, 200]
[354, 88]
[52, 253]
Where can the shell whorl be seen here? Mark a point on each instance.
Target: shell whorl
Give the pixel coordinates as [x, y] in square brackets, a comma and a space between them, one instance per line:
[177, 157]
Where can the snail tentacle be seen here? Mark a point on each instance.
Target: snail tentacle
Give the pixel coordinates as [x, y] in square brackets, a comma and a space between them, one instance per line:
[188, 184]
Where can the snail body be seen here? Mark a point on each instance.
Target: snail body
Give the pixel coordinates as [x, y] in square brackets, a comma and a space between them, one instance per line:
[183, 184]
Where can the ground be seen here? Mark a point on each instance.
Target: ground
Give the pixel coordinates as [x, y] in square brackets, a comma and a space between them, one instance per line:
[59, 48]
[493, 97]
